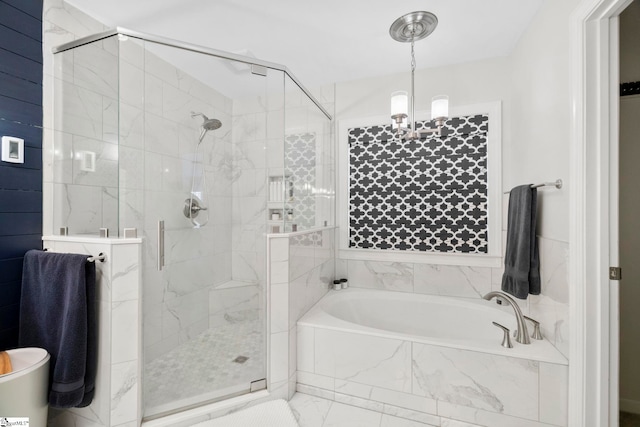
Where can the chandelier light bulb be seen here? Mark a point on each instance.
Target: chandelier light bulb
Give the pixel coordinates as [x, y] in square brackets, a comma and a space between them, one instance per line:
[439, 107]
[399, 103]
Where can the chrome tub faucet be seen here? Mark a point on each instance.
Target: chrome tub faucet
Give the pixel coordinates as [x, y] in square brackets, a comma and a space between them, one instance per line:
[522, 334]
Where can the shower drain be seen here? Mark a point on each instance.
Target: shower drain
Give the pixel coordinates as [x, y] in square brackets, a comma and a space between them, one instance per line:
[240, 359]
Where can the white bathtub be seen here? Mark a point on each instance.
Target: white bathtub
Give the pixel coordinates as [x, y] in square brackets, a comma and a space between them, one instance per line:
[461, 323]
[428, 358]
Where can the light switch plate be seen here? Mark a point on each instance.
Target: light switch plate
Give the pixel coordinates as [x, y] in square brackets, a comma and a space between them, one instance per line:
[12, 149]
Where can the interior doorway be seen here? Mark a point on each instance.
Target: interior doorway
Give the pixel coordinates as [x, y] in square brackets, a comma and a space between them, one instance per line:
[628, 218]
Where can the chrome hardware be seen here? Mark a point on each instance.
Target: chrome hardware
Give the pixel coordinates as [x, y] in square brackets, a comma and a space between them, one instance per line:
[258, 70]
[130, 233]
[557, 183]
[506, 339]
[192, 207]
[104, 233]
[101, 257]
[160, 245]
[536, 329]
[536, 335]
[258, 385]
[522, 334]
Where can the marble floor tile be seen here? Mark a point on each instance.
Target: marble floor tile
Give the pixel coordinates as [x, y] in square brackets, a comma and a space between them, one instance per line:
[391, 421]
[341, 415]
[312, 411]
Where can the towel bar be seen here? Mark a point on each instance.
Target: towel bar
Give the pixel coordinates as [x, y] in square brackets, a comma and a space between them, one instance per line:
[101, 257]
[557, 183]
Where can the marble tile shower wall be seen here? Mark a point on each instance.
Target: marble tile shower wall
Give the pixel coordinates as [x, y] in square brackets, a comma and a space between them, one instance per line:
[551, 308]
[62, 183]
[311, 164]
[156, 125]
[116, 92]
[257, 152]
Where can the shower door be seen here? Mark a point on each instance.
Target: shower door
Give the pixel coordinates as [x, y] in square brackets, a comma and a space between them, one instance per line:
[203, 134]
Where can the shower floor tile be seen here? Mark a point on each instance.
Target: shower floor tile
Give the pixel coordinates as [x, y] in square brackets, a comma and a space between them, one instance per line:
[204, 365]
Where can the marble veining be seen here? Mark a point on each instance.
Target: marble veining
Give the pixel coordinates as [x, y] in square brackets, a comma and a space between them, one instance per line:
[456, 281]
[368, 368]
[381, 275]
[130, 380]
[495, 383]
[370, 360]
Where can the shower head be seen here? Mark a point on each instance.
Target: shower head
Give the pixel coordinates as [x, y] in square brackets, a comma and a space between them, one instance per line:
[211, 124]
[207, 124]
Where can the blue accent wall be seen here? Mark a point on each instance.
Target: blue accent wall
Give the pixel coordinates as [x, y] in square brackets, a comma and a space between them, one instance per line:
[20, 184]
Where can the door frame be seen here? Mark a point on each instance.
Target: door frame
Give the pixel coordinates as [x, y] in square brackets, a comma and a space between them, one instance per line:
[593, 364]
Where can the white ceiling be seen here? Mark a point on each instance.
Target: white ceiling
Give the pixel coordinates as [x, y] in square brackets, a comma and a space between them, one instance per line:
[328, 40]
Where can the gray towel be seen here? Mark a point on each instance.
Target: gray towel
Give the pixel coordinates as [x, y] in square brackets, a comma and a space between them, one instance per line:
[57, 313]
[521, 262]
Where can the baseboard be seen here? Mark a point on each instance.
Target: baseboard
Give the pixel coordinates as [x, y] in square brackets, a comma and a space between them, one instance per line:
[628, 405]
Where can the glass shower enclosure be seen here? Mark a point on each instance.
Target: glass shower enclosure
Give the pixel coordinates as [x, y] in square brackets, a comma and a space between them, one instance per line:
[201, 153]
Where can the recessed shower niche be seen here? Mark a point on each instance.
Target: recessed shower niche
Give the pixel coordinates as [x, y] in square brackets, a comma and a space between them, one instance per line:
[149, 132]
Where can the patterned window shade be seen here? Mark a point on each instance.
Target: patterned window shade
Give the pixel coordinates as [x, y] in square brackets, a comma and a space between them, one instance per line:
[427, 196]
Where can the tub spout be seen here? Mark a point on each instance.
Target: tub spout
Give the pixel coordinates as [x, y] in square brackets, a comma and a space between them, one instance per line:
[522, 335]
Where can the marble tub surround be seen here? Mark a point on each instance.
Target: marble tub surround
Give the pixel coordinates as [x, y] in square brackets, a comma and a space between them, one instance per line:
[467, 398]
[118, 387]
[550, 308]
[417, 376]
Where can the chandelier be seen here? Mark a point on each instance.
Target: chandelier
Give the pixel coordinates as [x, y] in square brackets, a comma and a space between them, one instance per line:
[412, 27]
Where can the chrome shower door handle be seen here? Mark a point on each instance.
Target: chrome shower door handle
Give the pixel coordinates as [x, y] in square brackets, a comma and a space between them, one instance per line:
[160, 245]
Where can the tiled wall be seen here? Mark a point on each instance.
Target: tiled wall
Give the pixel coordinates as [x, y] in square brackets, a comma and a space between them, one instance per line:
[118, 387]
[176, 304]
[301, 267]
[119, 102]
[150, 170]
[309, 158]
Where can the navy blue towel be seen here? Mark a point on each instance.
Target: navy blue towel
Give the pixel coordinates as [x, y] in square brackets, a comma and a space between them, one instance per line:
[521, 261]
[57, 313]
